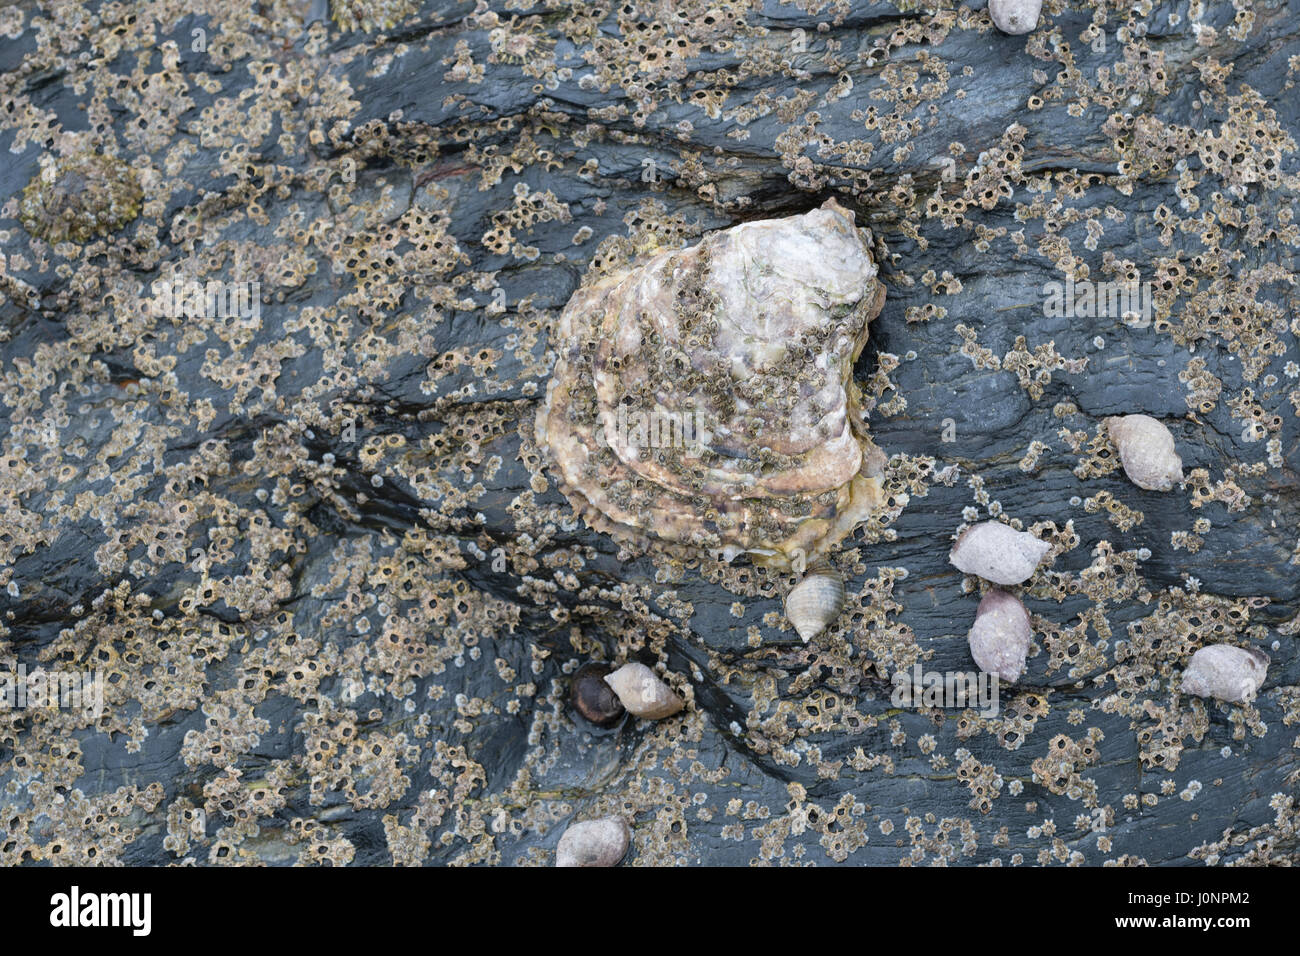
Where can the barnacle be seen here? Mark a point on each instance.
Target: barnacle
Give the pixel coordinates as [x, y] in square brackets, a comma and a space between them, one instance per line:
[704, 399]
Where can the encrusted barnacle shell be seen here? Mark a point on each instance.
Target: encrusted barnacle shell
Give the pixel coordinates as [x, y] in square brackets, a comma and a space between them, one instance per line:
[1015, 16]
[1226, 672]
[704, 401]
[600, 842]
[1146, 450]
[998, 553]
[643, 693]
[1001, 635]
[816, 600]
[80, 196]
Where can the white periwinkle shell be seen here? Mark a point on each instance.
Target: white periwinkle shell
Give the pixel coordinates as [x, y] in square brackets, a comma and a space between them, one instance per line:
[600, 842]
[998, 553]
[1226, 672]
[815, 601]
[1146, 450]
[642, 692]
[1000, 638]
[1015, 16]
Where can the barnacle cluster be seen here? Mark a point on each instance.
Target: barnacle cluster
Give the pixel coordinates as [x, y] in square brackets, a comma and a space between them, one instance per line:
[80, 196]
[705, 397]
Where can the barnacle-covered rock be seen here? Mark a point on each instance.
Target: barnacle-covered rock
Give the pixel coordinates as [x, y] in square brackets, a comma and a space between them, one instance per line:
[371, 15]
[1015, 16]
[1001, 635]
[704, 400]
[1226, 672]
[600, 842]
[1146, 450]
[643, 693]
[79, 197]
[998, 553]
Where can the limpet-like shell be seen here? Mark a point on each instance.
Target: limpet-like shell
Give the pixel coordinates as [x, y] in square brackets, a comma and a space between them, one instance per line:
[1015, 16]
[1146, 450]
[998, 553]
[600, 842]
[1226, 672]
[1001, 635]
[704, 400]
[816, 600]
[643, 693]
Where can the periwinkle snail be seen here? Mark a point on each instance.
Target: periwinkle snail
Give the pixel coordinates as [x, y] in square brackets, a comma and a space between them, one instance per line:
[1226, 672]
[998, 553]
[1146, 450]
[592, 697]
[601, 842]
[1001, 636]
[641, 691]
[815, 601]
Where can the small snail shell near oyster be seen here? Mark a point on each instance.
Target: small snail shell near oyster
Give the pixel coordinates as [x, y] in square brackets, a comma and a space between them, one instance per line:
[1015, 16]
[1000, 638]
[816, 600]
[643, 693]
[600, 842]
[703, 400]
[1226, 672]
[998, 553]
[592, 698]
[1146, 450]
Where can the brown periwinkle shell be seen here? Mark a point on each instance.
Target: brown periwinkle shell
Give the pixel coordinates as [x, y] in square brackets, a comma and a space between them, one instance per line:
[592, 698]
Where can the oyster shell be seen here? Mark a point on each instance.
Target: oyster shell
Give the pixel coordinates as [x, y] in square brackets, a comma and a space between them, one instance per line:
[739, 351]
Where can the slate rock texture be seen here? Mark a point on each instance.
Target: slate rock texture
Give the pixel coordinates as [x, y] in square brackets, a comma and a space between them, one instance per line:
[266, 459]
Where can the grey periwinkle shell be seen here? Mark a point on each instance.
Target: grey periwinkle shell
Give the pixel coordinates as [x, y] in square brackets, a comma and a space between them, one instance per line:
[642, 692]
[998, 553]
[1226, 672]
[1146, 450]
[600, 842]
[816, 601]
[1015, 16]
[1000, 638]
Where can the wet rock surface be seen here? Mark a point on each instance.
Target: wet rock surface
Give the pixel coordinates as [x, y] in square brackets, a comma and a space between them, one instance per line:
[307, 539]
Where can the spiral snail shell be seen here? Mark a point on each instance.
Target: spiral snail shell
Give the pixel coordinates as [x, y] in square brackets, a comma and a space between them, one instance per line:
[1226, 672]
[1146, 450]
[1001, 636]
[643, 693]
[815, 601]
[601, 842]
[998, 553]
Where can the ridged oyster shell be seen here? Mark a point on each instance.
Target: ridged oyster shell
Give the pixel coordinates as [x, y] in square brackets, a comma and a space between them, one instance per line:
[750, 337]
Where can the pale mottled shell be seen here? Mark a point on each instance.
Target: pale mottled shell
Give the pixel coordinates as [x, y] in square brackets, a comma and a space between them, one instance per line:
[1015, 16]
[749, 337]
[600, 842]
[1000, 638]
[1226, 672]
[1146, 450]
[642, 692]
[998, 553]
[815, 601]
